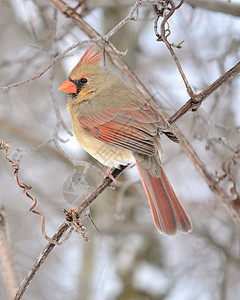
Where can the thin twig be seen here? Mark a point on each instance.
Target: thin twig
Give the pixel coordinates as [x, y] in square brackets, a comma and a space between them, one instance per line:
[44, 70]
[129, 17]
[59, 118]
[163, 37]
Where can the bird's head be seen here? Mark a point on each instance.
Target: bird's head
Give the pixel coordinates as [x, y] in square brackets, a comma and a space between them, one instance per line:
[86, 77]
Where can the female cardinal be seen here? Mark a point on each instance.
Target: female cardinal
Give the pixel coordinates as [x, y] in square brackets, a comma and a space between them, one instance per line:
[117, 126]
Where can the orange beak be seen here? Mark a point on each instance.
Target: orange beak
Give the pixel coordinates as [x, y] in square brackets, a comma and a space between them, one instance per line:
[68, 87]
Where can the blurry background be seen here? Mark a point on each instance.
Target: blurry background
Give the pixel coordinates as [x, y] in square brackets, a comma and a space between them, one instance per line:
[129, 259]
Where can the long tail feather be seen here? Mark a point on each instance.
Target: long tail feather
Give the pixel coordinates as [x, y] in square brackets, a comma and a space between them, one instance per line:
[168, 214]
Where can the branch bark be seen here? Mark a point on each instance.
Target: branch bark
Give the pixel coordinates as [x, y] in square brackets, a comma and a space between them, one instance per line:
[194, 104]
[40, 260]
[7, 262]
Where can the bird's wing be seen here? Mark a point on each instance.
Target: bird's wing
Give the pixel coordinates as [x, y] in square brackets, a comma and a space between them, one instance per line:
[130, 127]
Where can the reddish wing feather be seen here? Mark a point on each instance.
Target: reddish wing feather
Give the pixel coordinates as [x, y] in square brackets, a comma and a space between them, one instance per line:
[129, 127]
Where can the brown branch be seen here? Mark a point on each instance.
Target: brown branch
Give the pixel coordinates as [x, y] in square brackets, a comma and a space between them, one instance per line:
[194, 104]
[7, 263]
[40, 260]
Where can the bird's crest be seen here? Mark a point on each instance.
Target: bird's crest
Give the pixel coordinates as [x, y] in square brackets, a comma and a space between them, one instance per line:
[89, 57]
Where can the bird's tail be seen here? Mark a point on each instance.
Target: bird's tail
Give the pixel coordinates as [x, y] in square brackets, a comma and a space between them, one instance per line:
[168, 214]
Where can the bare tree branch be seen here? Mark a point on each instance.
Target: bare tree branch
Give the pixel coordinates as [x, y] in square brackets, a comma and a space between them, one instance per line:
[40, 260]
[7, 262]
[194, 104]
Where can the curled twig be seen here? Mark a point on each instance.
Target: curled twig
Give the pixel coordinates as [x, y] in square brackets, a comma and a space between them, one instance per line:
[227, 165]
[26, 188]
[164, 34]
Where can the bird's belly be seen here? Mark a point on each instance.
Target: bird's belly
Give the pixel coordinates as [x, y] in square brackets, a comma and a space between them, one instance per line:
[107, 154]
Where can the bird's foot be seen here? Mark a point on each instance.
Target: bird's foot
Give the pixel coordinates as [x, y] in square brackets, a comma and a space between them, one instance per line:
[108, 174]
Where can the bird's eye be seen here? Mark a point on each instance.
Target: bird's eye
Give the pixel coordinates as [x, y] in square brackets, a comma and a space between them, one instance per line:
[83, 80]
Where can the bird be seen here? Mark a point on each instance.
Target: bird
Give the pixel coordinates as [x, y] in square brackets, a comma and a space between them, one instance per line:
[117, 126]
